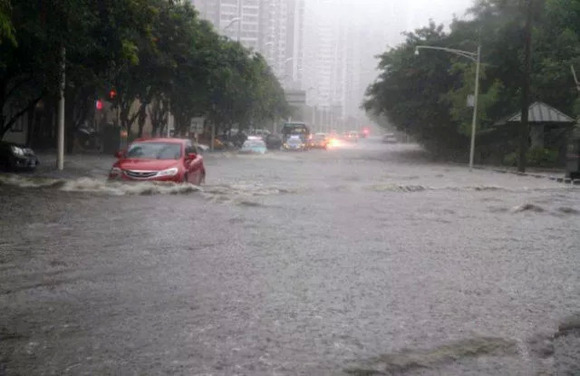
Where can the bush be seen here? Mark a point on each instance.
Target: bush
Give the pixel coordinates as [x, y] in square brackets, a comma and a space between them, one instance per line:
[538, 157]
[542, 157]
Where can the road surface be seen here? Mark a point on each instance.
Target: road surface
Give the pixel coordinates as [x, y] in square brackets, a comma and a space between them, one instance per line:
[366, 259]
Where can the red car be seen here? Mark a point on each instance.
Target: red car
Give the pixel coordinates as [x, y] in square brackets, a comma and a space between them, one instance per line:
[160, 159]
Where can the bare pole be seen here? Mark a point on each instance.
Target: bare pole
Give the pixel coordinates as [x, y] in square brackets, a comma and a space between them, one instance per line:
[240, 20]
[475, 100]
[61, 107]
[524, 126]
[575, 78]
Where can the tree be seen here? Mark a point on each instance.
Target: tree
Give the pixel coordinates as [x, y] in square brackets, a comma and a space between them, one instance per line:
[152, 53]
[425, 96]
[6, 28]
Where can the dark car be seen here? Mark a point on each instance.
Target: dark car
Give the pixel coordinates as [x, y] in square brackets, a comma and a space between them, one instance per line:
[389, 138]
[273, 141]
[15, 157]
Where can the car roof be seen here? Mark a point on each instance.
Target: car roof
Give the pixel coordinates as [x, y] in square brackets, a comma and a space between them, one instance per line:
[162, 139]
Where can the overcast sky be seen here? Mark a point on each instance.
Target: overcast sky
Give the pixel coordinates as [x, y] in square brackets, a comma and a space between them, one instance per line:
[392, 17]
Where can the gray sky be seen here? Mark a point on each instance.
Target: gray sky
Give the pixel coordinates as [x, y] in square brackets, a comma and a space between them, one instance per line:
[392, 17]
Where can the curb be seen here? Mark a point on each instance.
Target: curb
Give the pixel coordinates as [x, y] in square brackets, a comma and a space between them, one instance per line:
[534, 175]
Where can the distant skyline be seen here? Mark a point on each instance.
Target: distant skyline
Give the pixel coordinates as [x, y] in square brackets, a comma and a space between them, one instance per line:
[356, 31]
[327, 48]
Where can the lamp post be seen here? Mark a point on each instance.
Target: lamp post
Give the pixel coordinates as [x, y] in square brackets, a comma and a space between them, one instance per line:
[233, 21]
[476, 57]
[314, 106]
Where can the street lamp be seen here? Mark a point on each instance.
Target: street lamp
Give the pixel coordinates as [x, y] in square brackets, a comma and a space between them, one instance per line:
[476, 57]
[232, 21]
[314, 105]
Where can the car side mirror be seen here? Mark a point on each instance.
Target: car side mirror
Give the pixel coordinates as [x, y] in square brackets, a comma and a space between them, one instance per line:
[120, 154]
[191, 156]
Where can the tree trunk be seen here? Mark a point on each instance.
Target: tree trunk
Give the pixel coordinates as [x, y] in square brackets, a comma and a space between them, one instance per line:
[524, 126]
[142, 118]
[30, 128]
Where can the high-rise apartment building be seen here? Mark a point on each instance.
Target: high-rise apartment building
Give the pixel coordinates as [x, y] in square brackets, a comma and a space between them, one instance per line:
[275, 28]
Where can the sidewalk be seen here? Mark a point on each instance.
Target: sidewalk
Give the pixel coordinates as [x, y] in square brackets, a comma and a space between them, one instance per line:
[75, 166]
[558, 175]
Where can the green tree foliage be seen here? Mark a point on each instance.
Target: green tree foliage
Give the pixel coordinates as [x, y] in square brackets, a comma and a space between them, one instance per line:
[157, 55]
[6, 28]
[426, 95]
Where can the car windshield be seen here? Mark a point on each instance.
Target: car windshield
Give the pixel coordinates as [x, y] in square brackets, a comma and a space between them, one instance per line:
[154, 150]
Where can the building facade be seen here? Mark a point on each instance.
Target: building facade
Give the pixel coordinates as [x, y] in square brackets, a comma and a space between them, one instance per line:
[274, 28]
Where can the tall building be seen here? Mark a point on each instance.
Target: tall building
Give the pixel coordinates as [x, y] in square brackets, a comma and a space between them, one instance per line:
[275, 28]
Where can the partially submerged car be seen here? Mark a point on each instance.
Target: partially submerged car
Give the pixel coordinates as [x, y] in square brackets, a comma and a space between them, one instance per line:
[351, 136]
[319, 141]
[15, 157]
[273, 141]
[254, 145]
[160, 159]
[294, 143]
[389, 138]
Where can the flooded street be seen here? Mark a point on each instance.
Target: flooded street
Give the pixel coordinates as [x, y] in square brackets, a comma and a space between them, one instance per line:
[366, 259]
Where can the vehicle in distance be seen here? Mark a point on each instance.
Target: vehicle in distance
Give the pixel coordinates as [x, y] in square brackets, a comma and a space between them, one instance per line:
[319, 141]
[273, 141]
[365, 132]
[15, 157]
[351, 136]
[254, 145]
[294, 143]
[295, 129]
[160, 159]
[389, 138]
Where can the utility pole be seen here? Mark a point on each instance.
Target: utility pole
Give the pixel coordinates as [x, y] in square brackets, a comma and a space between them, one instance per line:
[240, 20]
[575, 78]
[524, 126]
[60, 132]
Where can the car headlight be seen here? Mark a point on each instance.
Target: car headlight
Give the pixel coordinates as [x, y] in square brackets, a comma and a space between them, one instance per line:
[115, 172]
[17, 151]
[169, 172]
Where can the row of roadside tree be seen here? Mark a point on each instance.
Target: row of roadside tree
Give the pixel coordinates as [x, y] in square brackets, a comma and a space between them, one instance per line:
[425, 95]
[157, 53]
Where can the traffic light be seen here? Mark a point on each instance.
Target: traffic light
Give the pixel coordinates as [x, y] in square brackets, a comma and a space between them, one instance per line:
[112, 94]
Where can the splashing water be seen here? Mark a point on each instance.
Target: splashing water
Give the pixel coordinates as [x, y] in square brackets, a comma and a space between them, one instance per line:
[91, 185]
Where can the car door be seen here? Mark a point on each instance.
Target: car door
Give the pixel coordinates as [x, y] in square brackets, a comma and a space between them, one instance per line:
[193, 166]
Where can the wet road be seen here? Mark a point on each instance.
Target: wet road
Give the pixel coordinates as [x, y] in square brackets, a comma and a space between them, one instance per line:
[319, 263]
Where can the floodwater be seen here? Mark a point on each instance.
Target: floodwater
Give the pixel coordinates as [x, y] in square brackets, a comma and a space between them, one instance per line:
[366, 259]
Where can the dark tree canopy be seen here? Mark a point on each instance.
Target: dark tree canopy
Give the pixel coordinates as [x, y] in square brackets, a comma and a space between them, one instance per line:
[426, 95]
[157, 53]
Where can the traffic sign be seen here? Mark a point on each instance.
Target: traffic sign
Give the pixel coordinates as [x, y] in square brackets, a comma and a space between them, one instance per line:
[295, 97]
